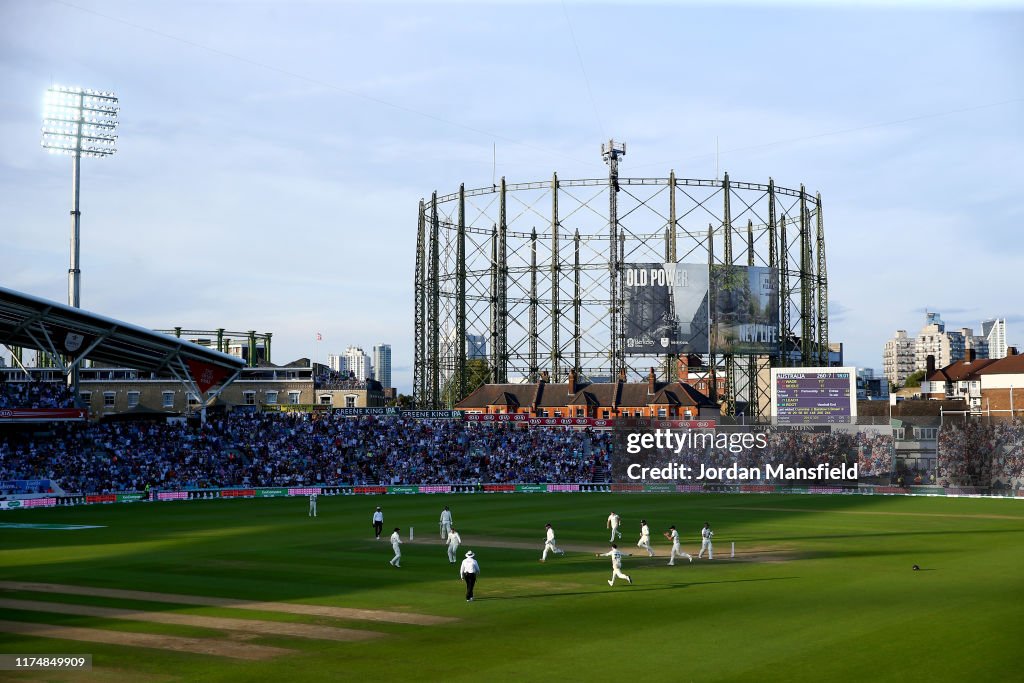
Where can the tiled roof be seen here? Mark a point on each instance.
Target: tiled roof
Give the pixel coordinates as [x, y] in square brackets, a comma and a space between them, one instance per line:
[618, 394]
[505, 399]
[960, 371]
[490, 394]
[1011, 365]
[584, 398]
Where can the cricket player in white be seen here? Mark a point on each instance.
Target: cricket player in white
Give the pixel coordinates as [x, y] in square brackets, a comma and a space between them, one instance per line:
[549, 544]
[616, 556]
[454, 541]
[613, 523]
[673, 535]
[705, 541]
[446, 522]
[312, 505]
[645, 538]
[396, 543]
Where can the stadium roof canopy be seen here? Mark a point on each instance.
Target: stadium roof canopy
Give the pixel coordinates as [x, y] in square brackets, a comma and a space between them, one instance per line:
[69, 335]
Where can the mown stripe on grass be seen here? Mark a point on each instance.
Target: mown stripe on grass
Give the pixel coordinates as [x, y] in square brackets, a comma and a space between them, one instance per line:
[271, 628]
[202, 646]
[882, 513]
[209, 601]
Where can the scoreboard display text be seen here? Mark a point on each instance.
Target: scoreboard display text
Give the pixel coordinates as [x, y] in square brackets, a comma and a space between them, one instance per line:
[808, 396]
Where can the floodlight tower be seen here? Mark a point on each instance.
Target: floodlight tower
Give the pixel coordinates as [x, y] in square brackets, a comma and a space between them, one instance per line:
[78, 122]
[611, 154]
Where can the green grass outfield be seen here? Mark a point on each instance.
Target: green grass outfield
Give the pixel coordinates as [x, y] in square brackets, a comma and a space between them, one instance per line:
[822, 588]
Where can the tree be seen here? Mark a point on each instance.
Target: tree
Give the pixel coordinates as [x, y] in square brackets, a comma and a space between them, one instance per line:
[403, 401]
[914, 379]
[477, 374]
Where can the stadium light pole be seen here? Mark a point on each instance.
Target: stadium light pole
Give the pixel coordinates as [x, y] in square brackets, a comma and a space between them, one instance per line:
[78, 122]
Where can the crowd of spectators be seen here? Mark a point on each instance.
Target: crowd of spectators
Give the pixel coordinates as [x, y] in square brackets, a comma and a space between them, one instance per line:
[281, 449]
[875, 453]
[869, 447]
[987, 452]
[330, 379]
[35, 395]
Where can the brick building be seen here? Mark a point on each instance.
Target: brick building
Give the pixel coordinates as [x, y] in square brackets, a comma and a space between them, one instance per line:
[114, 391]
[670, 400]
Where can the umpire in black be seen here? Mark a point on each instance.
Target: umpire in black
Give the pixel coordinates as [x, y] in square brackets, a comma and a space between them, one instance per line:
[378, 522]
[468, 572]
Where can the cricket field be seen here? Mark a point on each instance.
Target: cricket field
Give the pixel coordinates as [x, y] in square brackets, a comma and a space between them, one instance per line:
[821, 588]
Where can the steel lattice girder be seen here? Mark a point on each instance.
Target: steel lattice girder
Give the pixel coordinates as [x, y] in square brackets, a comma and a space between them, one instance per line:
[510, 243]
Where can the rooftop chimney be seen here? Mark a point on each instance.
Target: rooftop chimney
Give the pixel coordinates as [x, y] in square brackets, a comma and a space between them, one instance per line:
[1011, 350]
[572, 381]
[651, 379]
[969, 356]
[929, 366]
[683, 367]
[544, 376]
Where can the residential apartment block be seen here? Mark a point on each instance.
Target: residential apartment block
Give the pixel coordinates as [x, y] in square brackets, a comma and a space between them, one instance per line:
[904, 354]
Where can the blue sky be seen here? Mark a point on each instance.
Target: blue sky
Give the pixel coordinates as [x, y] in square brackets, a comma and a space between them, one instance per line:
[271, 154]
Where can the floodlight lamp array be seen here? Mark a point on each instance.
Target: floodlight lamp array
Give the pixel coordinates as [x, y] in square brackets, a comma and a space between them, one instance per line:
[80, 122]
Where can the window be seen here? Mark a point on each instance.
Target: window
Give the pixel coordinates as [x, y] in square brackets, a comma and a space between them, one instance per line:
[579, 412]
[168, 399]
[606, 414]
[544, 412]
[325, 400]
[133, 399]
[688, 415]
[350, 401]
[271, 398]
[193, 400]
[558, 413]
[293, 398]
[248, 398]
[662, 412]
[926, 433]
[86, 397]
[108, 399]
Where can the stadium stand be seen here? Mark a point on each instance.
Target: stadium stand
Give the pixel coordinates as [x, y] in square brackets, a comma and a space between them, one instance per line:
[35, 395]
[982, 453]
[268, 449]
